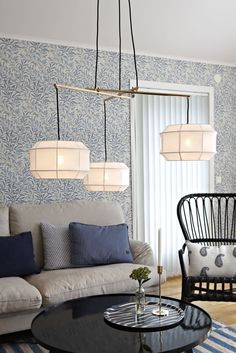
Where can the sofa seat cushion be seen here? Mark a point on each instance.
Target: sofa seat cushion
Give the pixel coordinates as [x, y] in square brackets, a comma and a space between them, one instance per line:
[65, 284]
[18, 295]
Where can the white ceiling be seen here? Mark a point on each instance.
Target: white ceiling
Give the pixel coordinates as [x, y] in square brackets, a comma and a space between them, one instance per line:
[199, 30]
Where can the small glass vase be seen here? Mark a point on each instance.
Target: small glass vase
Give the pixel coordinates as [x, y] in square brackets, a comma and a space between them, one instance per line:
[139, 300]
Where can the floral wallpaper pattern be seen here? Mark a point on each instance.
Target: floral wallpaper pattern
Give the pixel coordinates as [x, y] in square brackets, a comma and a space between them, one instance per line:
[28, 113]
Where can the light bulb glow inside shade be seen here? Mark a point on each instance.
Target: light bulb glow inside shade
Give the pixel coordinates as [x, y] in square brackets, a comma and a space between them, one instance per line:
[59, 160]
[188, 142]
[107, 176]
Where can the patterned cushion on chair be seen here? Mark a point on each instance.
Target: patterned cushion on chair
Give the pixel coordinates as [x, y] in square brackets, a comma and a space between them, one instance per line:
[212, 261]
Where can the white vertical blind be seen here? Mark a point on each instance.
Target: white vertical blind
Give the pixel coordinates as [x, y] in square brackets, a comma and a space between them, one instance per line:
[158, 184]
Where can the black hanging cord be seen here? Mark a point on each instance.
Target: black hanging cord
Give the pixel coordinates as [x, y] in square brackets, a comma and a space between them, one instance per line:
[132, 37]
[105, 124]
[105, 129]
[119, 45]
[97, 37]
[187, 110]
[58, 115]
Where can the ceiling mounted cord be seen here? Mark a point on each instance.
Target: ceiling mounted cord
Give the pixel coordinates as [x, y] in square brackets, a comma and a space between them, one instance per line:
[132, 37]
[187, 110]
[119, 45]
[105, 129]
[97, 38]
[105, 124]
[117, 93]
[58, 115]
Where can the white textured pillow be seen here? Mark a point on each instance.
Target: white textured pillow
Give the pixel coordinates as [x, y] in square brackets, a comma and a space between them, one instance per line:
[56, 246]
[212, 261]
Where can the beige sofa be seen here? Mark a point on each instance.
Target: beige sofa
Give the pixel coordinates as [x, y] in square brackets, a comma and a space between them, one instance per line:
[22, 298]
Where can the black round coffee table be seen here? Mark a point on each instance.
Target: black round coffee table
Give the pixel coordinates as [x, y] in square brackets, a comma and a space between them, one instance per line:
[78, 326]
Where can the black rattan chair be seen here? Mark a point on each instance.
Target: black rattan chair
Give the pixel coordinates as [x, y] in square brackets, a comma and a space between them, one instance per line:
[208, 219]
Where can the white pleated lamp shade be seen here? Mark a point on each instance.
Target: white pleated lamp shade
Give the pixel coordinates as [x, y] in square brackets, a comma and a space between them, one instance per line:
[188, 142]
[107, 176]
[59, 160]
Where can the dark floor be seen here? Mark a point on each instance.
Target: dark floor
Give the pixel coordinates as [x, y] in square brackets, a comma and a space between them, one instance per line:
[18, 337]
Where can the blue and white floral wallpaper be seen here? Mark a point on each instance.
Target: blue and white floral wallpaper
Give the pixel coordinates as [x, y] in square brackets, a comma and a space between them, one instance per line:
[28, 113]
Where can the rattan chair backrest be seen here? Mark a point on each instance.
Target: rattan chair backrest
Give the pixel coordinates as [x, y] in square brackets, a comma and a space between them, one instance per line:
[208, 218]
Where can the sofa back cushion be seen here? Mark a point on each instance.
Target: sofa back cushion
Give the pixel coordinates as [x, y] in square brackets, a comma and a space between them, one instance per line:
[56, 246]
[17, 256]
[4, 220]
[27, 217]
[99, 245]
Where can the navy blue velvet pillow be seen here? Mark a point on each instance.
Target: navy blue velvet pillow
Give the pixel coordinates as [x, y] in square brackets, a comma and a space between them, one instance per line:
[17, 256]
[99, 245]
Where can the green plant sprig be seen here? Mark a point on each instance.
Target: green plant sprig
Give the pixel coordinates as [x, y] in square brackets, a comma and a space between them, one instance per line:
[141, 274]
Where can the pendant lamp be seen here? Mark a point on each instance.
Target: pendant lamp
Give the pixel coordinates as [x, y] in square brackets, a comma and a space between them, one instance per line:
[107, 176]
[188, 142]
[59, 159]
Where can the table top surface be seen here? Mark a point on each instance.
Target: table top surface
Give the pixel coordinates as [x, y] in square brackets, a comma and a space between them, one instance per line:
[78, 326]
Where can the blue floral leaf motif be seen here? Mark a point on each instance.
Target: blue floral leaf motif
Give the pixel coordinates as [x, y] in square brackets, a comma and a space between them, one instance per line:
[204, 271]
[218, 260]
[203, 250]
[234, 252]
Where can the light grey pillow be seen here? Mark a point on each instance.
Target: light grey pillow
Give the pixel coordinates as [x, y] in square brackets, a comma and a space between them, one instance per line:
[142, 252]
[212, 261]
[56, 246]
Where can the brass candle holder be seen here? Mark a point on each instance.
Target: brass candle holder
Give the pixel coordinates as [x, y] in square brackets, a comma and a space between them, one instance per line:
[160, 311]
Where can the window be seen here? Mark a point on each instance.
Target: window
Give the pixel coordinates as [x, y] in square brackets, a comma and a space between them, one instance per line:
[158, 184]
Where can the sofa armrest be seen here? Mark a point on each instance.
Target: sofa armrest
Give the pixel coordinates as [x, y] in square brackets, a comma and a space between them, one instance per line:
[142, 253]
